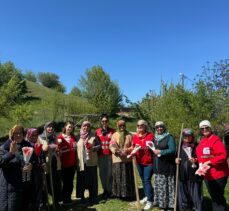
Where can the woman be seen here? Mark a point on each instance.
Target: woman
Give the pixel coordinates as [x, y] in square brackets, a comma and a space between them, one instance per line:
[67, 144]
[53, 165]
[144, 157]
[15, 189]
[38, 175]
[87, 147]
[164, 167]
[190, 184]
[122, 168]
[212, 153]
[104, 134]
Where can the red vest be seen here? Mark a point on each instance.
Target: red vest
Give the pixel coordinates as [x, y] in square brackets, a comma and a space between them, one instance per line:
[68, 151]
[145, 155]
[211, 148]
[104, 141]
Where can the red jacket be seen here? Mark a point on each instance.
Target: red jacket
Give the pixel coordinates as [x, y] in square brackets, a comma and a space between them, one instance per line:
[211, 148]
[68, 151]
[145, 155]
[104, 141]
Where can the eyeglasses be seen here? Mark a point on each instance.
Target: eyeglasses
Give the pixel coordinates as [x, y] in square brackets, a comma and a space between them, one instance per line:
[104, 121]
[140, 125]
[204, 128]
[159, 126]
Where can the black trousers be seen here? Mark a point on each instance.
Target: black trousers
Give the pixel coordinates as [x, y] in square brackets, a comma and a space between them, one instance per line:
[216, 191]
[67, 178]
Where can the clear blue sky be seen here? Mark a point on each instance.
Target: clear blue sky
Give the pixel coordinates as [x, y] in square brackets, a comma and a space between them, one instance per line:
[137, 42]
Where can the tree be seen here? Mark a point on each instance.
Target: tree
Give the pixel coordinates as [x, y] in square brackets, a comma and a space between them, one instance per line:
[30, 76]
[216, 77]
[100, 90]
[75, 92]
[51, 80]
[12, 88]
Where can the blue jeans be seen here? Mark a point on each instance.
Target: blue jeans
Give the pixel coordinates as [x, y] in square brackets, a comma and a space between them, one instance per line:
[146, 173]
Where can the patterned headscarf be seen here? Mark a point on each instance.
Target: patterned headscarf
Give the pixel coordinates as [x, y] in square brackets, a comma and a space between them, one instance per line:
[30, 133]
[84, 135]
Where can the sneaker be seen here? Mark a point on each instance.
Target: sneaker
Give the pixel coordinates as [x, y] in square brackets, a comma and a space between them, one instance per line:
[144, 200]
[149, 205]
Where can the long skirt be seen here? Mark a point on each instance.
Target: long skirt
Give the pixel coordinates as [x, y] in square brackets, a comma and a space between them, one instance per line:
[190, 195]
[87, 179]
[123, 180]
[164, 189]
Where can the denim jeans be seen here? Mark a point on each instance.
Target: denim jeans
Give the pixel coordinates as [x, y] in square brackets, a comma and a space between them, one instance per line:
[146, 173]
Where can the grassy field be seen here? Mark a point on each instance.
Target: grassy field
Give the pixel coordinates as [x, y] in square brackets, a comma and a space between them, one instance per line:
[120, 205]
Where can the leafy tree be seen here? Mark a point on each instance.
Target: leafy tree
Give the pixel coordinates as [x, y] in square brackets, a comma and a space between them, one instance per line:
[30, 76]
[100, 90]
[207, 100]
[51, 80]
[12, 88]
[21, 114]
[7, 71]
[216, 77]
[75, 92]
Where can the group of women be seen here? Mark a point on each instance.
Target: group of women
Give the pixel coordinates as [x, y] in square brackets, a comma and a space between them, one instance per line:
[55, 159]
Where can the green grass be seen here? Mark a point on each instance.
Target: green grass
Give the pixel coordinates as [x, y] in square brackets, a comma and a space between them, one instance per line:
[117, 204]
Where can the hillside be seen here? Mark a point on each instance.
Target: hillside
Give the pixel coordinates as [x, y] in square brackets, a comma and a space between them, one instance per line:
[47, 105]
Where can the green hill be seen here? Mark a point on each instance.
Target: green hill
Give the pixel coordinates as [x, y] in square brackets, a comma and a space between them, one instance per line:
[47, 105]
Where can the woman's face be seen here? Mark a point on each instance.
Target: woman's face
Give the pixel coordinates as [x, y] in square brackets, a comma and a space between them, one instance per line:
[141, 128]
[50, 129]
[206, 131]
[160, 129]
[18, 136]
[187, 138]
[104, 122]
[86, 128]
[33, 138]
[69, 128]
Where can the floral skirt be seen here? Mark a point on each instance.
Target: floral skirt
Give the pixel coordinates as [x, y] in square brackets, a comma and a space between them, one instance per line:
[164, 189]
[123, 180]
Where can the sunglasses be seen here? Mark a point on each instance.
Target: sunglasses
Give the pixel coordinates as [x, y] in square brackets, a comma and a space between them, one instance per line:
[140, 125]
[159, 126]
[204, 128]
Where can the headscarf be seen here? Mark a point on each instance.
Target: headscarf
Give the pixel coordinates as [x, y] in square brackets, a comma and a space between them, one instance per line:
[188, 132]
[83, 134]
[50, 136]
[31, 132]
[160, 137]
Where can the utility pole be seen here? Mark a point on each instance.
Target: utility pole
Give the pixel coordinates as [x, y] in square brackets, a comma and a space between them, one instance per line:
[182, 76]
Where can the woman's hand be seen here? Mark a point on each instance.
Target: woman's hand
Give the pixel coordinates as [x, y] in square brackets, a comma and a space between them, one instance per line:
[157, 152]
[28, 167]
[13, 147]
[207, 163]
[177, 160]
[193, 160]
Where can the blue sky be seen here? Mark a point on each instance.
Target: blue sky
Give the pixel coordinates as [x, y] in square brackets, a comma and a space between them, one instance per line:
[137, 42]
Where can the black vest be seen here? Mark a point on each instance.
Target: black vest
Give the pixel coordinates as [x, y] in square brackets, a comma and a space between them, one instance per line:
[165, 164]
